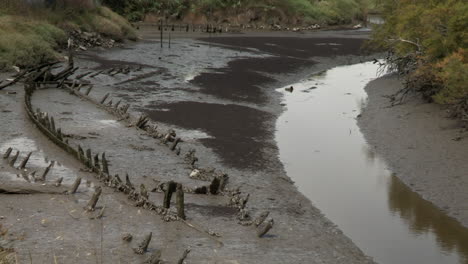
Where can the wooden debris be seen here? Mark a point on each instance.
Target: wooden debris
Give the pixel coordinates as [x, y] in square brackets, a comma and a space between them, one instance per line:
[127, 237]
[180, 201]
[104, 98]
[174, 145]
[143, 246]
[214, 186]
[261, 218]
[89, 158]
[89, 90]
[154, 258]
[128, 183]
[46, 171]
[24, 162]
[105, 166]
[143, 191]
[7, 153]
[169, 189]
[96, 162]
[184, 256]
[94, 199]
[14, 158]
[18, 188]
[58, 183]
[263, 229]
[75, 185]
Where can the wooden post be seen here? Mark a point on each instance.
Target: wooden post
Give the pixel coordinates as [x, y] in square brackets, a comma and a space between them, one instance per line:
[143, 246]
[25, 161]
[15, 157]
[52, 124]
[174, 145]
[104, 98]
[180, 201]
[161, 36]
[59, 134]
[184, 256]
[170, 188]
[7, 153]
[89, 158]
[265, 228]
[46, 171]
[96, 162]
[128, 183]
[169, 40]
[58, 183]
[94, 199]
[105, 167]
[155, 258]
[75, 185]
[261, 218]
[89, 90]
[143, 191]
[81, 155]
[214, 186]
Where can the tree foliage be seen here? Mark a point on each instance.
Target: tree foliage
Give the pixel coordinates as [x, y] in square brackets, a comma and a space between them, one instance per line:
[428, 40]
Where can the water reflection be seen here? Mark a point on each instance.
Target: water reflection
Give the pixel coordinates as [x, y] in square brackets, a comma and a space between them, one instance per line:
[422, 217]
[324, 152]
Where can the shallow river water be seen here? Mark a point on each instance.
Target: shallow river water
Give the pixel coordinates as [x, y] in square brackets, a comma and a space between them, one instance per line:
[326, 155]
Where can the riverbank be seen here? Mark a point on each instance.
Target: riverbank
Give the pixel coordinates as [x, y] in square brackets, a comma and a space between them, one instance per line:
[421, 144]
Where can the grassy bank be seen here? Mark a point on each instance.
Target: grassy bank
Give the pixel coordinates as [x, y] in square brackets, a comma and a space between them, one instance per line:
[428, 41]
[329, 12]
[33, 35]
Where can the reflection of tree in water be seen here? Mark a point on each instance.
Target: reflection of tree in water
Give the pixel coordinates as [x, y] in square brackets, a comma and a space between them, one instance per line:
[422, 216]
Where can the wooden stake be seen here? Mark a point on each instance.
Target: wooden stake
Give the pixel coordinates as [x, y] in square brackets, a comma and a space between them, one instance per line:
[174, 145]
[89, 158]
[180, 201]
[7, 153]
[15, 157]
[184, 256]
[44, 175]
[143, 246]
[75, 185]
[104, 98]
[261, 218]
[96, 162]
[214, 186]
[94, 199]
[89, 90]
[105, 167]
[265, 228]
[58, 183]
[170, 188]
[25, 161]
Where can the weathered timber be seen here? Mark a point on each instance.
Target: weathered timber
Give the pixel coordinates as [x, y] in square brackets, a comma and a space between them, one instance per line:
[14, 158]
[96, 162]
[52, 124]
[89, 158]
[128, 182]
[214, 186]
[180, 201]
[20, 188]
[263, 229]
[7, 153]
[174, 145]
[201, 190]
[143, 246]
[104, 98]
[25, 161]
[154, 258]
[94, 199]
[58, 183]
[169, 189]
[105, 166]
[75, 185]
[46, 171]
[261, 218]
[184, 256]
[144, 191]
[89, 90]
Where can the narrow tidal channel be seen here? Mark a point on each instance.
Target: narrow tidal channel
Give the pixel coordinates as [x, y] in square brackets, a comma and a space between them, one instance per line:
[326, 155]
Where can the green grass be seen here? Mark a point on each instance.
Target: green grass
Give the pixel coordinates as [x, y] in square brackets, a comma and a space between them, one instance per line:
[33, 35]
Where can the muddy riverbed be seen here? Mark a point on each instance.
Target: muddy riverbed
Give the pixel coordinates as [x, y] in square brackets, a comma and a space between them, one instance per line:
[231, 126]
[219, 92]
